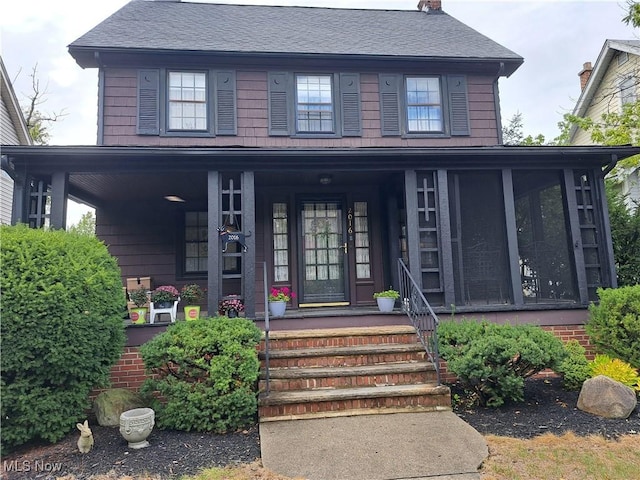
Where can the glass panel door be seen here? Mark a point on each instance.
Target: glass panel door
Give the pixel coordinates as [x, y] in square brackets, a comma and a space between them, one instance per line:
[323, 250]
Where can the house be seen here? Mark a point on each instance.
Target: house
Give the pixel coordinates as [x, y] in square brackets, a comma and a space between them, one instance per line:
[605, 87]
[13, 131]
[336, 141]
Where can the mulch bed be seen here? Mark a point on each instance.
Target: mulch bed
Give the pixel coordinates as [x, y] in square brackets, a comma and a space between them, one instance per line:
[547, 408]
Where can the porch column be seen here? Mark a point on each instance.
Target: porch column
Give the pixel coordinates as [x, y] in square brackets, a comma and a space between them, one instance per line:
[444, 234]
[249, 257]
[512, 236]
[19, 210]
[601, 197]
[413, 235]
[59, 194]
[214, 272]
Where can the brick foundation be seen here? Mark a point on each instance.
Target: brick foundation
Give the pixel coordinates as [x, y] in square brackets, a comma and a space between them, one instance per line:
[129, 371]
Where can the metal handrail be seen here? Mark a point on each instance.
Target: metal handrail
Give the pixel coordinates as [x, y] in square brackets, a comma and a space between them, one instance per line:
[266, 330]
[422, 316]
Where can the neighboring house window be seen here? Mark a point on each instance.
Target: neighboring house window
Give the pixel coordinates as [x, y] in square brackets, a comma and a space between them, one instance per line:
[195, 245]
[628, 91]
[187, 101]
[184, 103]
[424, 104]
[623, 57]
[314, 103]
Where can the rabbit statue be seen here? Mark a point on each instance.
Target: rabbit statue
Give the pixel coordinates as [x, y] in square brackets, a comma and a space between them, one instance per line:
[85, 442]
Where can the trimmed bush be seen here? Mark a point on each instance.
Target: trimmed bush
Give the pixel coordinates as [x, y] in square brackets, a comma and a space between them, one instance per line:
[575, 367]
[615, 369]
[493, 360]
[61, 331]
[207, 371]
[614, 323]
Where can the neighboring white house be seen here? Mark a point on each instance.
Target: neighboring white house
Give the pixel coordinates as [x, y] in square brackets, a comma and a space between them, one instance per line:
[606, 86]
[13, 131]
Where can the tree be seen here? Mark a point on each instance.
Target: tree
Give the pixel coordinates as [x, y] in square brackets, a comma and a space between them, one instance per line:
[625, 235]
[633, 17]
[37, 121]
[85, 226]
[512, 133]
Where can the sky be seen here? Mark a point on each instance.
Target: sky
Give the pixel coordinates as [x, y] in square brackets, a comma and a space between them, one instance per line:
[555, 38]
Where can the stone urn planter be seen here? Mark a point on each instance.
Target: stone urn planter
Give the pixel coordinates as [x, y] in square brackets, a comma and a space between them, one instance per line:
[136, 425]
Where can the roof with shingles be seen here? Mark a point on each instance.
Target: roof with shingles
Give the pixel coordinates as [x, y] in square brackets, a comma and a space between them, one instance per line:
[249, 29]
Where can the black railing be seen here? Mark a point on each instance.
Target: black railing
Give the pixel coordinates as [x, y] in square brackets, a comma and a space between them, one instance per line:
[266, 330]
[422, 316]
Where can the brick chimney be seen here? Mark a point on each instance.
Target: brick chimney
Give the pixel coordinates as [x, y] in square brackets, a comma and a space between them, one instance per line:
[432, 5]
[585, 74]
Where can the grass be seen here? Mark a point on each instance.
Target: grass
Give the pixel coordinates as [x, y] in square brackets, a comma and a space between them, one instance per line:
[547, 457]
[566, 457]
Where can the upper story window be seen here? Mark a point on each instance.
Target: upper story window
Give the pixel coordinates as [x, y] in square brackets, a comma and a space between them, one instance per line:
[187, 101]
[628, 91]
[424, 104]
[307, 104]
[314, 104]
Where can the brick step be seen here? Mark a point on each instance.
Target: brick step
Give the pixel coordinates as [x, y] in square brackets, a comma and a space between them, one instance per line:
[287, 379]
[345, 356]
[353, 401]
[341, 337]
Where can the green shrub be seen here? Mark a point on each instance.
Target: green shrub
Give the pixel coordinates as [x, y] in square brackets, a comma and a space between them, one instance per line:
[62, 329]
[575, 367]
[616, 369]
[493, 360]
[614, 323]
[206, 370]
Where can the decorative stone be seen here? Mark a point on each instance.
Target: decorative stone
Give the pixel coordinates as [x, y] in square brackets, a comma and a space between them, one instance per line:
[607, 398]
[136, 425]
[109, 405]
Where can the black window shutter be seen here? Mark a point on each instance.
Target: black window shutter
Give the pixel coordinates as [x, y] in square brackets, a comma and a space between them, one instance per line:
[225, 104]
[278, 103]
[390, 103]
[148, 102]
[350, 104]
[458, 105]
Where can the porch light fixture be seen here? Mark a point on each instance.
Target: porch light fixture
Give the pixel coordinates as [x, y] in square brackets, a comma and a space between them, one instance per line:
[174, 198]
[325, 179]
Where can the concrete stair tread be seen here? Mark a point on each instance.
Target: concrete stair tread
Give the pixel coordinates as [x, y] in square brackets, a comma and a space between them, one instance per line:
[342, 332]
[343, 351]
[358, 370]
[329, 395]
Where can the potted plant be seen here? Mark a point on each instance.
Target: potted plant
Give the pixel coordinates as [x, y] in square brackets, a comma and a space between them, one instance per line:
[190, 294]
[386, 299]
[231, 306]
[278, 298]
[139, 297]
[164, 296]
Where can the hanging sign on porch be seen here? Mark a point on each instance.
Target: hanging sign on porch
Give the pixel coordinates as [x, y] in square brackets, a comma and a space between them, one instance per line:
[231, 236]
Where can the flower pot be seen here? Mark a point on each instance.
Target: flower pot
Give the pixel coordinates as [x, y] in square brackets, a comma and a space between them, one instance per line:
[277, 309]
[192, 312]
[136, 425]
[385, 304]
[138, 315]
[232, 313]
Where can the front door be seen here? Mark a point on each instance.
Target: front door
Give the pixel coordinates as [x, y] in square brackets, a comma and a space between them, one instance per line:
[323, 252]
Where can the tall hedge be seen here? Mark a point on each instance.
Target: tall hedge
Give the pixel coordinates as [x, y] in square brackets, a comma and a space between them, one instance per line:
[614, 323]
[61, 329]
[206, 370]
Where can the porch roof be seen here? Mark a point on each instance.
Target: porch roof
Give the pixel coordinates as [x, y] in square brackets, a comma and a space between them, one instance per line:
[76, 159]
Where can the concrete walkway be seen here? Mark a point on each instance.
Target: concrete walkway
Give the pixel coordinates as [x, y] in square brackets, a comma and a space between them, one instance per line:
[420, 445]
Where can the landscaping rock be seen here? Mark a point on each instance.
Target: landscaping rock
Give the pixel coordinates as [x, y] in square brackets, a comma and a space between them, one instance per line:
[111, 403]
[607, 398]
